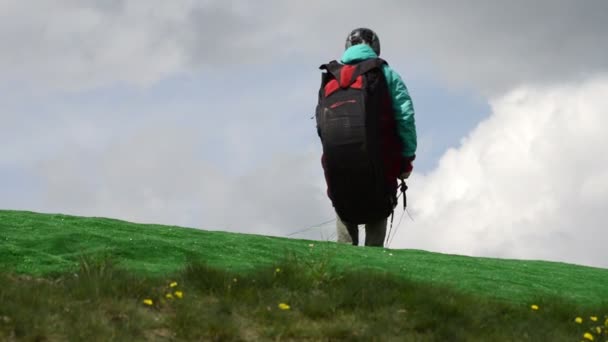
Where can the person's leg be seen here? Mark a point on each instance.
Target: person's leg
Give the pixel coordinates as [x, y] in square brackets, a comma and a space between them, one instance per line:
[375, 232]
[346, 232]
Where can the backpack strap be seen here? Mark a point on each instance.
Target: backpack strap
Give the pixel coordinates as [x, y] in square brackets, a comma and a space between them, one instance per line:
[347, 74]
[369, 65]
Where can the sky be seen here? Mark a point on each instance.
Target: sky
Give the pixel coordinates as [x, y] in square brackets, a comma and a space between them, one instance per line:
[198, 114]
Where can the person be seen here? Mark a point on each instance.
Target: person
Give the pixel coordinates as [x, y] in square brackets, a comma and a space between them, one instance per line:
[365, 120]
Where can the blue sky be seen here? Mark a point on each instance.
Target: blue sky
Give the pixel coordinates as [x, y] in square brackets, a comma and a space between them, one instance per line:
[199, 114]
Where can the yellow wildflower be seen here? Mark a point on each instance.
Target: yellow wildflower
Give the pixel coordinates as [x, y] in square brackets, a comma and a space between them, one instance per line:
[606, 322]
[588, 336]
[284, 306]
[593, 318]
[278, 270]
[148, 302]
[578, 320]
[169, 296]
[534, 307]
[173, 284]
[179, 294]
[599, 330]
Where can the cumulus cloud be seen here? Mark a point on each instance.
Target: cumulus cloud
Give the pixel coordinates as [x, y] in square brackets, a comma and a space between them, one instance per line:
[531, 181]
[490, 46]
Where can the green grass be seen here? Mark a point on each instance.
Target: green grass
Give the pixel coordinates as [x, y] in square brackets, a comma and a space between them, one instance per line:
[73, 278]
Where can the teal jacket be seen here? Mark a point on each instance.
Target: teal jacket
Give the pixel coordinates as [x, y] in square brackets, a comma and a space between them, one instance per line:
[402, 102]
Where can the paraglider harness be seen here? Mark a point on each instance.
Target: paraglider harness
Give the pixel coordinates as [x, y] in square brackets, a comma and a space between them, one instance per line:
[352, 115]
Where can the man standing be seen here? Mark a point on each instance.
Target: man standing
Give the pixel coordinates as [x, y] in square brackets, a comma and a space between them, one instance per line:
[365, 120]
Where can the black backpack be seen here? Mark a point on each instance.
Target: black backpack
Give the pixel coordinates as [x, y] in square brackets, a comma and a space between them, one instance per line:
[348, 115]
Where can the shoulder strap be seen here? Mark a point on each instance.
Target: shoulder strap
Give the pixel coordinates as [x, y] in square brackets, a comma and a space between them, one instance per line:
[369, 65]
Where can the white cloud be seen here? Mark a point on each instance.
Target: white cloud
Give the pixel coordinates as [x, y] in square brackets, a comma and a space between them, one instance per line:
[531, 181]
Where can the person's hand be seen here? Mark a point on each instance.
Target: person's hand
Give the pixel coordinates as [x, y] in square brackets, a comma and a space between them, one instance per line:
[406, 167]
[405, 175]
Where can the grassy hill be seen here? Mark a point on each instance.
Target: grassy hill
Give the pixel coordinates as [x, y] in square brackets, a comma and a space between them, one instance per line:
[79, 278]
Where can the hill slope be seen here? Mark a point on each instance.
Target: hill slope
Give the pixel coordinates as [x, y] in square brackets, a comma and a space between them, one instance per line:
[42, 244]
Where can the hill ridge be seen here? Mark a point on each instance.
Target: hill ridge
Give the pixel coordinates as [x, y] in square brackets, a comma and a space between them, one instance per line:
[41, 243]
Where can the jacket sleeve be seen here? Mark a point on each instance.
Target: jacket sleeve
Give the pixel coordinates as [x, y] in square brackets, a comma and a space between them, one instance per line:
[404, 112]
